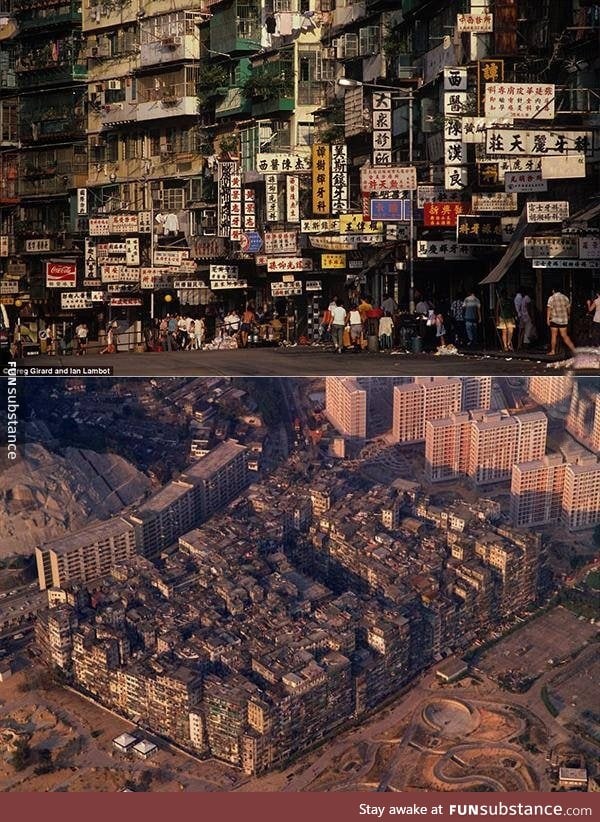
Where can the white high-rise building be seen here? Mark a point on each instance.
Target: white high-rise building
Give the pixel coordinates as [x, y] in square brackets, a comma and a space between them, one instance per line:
[427, 398]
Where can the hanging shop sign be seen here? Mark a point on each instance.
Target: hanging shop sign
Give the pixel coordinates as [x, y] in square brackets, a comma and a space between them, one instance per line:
[292, 202]
[82, 201]
[346, 242]
[488, 71]
[163, 257]
[434, 194]
[456, 103]
[381, 121]
[391, 210]
[292, 289]
[75, 300]
[550, 247]
[525, 101]
[235, 197]
[443, 250]
[313, 285]
[189, 284]
[9, 287]
[274, 163]
[144, 222]
[587, 264]
[513, 142]
[223, 272]
[393, 178]
[319, 226]
[589, 248]
[356, 224]
[559, 168]
[281, 242]
[251, 242]
[119, 273]
[123, 223]
[509, 226]
[279, 264]
[132, 251]
[339, 179]
[333, 261]
[249, 213]
[321, 179]
[38, 245]
[16, 270]
[443, 214]
[455, 78]
[497, 201]
[456, 178]
[547, 211]
[221, 285]
[125, 302]
[475, 229]
[477, 23]
[272, 198]
[225, 171]
[524, 181]
[61, 274]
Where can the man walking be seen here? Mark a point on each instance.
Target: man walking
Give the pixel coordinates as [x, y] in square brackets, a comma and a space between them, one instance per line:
[472, 308]
[558, 313]
[338, 323]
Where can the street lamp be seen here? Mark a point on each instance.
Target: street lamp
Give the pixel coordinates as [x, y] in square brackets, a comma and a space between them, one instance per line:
[408, 95]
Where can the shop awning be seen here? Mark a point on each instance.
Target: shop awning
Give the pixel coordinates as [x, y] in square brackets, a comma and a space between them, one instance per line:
[513, 250]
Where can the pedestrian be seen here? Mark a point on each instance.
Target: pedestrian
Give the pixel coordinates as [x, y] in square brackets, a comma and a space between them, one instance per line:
[373, 315]
[472, 308]
[594, 308]
[505, 320]
[81, 333]
[558, 313]
[199, 332]
[326, 319]
[182, 332]
[457, 316]
[247, 324]
[171, 332]
[232, 323]
[364, 307]
[527, 332]
[386, 331]
[440, 330]
[389, 305]
[356, 326]
[110, 339]
[338, 323]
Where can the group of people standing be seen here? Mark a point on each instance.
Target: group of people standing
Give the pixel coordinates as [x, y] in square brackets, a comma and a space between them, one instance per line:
[350, 328]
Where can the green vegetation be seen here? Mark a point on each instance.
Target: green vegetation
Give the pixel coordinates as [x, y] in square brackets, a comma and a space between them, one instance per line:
[269, 82]
[593, 580]
[596, 536]
[548, 702]
[22, 755]
[212, 83]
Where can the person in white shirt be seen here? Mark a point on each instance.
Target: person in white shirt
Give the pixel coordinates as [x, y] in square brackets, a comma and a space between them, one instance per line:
[232, 323]
[356, 326]
[594, 308]
[386, 331]
[338, 323]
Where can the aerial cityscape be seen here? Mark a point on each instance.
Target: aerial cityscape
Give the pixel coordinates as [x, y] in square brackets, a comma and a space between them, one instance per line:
[301, 585]
[248, 187]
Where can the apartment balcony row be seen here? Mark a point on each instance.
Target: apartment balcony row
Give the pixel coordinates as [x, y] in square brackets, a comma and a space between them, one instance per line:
[47, 14]
[49, 127]
[36, 74]
[54, 186]
[152, 104]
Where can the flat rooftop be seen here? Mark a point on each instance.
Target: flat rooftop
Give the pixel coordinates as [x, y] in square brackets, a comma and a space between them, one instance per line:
[163, 498]
[100, 531]
[211, 463]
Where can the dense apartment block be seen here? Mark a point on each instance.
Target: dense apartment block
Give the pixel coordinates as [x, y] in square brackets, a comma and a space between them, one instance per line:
[86, 554]
[581, 496]
[346, 406]
[476, 393]
[536, 491]
[499, 440]
[583, 416]
[447, 447]
[552, 392]
[427, 398]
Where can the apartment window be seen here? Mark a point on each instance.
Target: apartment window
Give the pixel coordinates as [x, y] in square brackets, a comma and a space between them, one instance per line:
[112, 149]
[305, 134]
[154, 143]
[173, 199]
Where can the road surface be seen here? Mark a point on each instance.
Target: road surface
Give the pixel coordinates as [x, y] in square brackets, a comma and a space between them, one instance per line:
[293, 362]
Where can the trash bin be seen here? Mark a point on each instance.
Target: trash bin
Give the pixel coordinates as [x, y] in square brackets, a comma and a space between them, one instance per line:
[373, 343]
[417, 345]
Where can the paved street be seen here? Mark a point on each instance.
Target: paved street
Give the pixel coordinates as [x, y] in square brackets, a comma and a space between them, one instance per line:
[294, 362]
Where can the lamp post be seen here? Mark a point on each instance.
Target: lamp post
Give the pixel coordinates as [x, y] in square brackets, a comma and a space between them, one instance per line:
[408, 95]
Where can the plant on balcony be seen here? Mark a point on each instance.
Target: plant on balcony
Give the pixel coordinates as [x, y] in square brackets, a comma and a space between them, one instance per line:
[332, 130]
[212, 83]
[269, 82]
[393, 44]
[229, 144]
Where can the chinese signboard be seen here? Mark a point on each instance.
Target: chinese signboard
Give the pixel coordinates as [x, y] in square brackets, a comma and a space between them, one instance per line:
[277, 264]
[99, 226]
[221, 285]
[473, 229]
[282, 242]
[272, 163]
[313, 285]
[515, 142]
[488, 71]
[391, 210]
[321, 179]
[382, 128]
[564, 264]
[249, 213]
[318, 226]
[223, 272]
[455, 78]
[225, 170]
[549, 247]
[498, 201]
[443, 214]
[518, 181]
[550, 211]
[37, 245]
[286, 289]
[456, 178]
[525, 101]
[339, 179]
[272, 198]
[291, 199]
[82, 201]
[333, 261]
[393, 178]
[478, 23]
[75, 300]
[61, 275]
[123, 223]
[589, 248]
[356, 224]
[4, 246]
[165, 257]
[235, 198]
[132, 251]
[434, 194]
[557, 168]
[442, 250]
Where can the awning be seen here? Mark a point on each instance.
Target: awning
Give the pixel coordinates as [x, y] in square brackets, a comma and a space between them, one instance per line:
[586, 214]
[513, 250]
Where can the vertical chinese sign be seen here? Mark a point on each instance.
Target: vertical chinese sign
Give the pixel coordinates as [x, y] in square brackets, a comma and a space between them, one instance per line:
[292, 202]
[249, 209]
[321, 182]
[339, 179]
[272, 198]
[455, 149]
[236, 204]
[382, 128]
[488, 71]
[225, 170]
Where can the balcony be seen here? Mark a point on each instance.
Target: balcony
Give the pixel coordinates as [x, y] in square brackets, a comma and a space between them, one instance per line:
[48, 127]
[236, 28]
[117, 114]
[234, 102]
[272, 106]
[51, 172]
[177, 100]
[48, 74]
[49, 14]
[170, 50]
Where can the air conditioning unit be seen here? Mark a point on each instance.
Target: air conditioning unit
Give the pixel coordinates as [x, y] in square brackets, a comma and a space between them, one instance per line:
[171, 42]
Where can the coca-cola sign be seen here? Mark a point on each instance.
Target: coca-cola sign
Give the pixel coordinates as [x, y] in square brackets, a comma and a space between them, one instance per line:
[61, 275]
